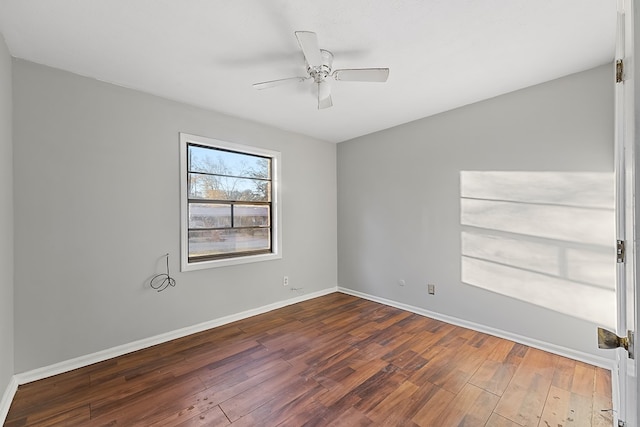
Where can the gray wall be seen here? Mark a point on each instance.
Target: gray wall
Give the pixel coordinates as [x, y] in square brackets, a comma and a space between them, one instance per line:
[6, 219]
[403, 212]
[97, 205]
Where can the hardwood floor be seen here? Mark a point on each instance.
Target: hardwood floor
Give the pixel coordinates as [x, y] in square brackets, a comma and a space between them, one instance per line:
[336, 360]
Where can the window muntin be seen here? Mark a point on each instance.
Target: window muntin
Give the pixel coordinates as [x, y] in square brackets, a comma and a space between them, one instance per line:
[221, 187]
[229, 203]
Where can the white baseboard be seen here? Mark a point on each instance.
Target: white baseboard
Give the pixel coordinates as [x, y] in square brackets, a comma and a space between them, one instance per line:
[89, 359]
[7, 398]
[591, 359]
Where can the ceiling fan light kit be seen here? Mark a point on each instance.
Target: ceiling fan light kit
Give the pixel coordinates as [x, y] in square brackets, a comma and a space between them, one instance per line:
[319, 66]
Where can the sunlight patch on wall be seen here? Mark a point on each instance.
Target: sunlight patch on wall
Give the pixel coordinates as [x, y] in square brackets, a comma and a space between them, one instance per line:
[546, 238]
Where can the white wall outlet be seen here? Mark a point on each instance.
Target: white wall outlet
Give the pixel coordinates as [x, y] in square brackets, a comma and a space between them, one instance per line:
[401, 282]
[431, 289]
[285, 281]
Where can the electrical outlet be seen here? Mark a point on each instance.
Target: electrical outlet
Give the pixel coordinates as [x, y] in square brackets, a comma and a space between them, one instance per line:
[431, 289]
[285, 281]
[401, 282]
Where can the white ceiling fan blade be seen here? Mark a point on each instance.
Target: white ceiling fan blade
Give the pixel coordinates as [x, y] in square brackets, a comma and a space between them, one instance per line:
[309, 44]
[324, 95]
[362, 74]
[272, 83]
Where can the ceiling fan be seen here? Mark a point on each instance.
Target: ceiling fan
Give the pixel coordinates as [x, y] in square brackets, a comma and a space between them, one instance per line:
[319, 64]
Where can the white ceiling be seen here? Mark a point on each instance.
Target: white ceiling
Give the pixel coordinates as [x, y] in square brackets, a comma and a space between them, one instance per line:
[442, 53]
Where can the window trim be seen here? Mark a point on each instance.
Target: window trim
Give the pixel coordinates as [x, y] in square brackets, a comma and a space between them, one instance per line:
[276, 216]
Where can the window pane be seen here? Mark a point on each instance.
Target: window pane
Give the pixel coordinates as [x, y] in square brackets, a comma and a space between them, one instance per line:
[220, 242]
[250, 216]
[227, 188]
[208, 215]
[219, 162]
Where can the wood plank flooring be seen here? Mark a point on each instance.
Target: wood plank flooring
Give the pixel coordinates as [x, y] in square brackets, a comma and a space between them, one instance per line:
[336, 360]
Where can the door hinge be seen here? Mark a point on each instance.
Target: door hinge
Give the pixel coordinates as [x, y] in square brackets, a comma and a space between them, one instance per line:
[610, 340]
[619, 71]
[622, 423]
[620, 251]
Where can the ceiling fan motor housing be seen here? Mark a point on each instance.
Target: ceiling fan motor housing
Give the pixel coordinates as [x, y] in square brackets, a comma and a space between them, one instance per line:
[321, 72]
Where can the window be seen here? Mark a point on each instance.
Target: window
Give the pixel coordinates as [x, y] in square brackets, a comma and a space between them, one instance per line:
[229, 203]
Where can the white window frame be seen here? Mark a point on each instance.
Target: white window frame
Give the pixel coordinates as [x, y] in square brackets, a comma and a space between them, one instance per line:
[276, 217]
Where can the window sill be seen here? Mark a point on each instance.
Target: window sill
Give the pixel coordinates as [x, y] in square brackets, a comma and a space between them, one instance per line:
[224, 262]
